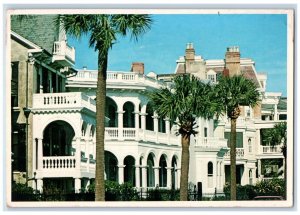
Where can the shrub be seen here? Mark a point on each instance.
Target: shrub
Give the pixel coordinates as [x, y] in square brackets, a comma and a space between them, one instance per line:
[21, 192]
[273, 187]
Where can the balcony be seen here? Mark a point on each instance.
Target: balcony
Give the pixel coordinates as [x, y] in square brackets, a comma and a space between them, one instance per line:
[210, 143]
[63, 53]
[55, 101]
[141, 135]
[116, 80]
[270, 150]
[239, 154]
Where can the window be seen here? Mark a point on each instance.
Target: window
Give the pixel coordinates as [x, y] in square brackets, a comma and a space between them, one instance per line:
[211, 75]
[239, 139]
[249, 145]
[210, 174]
[205, 132]
[250, 177]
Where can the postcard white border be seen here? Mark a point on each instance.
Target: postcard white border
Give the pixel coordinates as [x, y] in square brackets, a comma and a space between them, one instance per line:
[189, 204]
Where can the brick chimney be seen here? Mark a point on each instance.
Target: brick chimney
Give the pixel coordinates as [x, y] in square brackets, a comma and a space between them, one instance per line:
[233, 61]
[189, 56]
[137, 67]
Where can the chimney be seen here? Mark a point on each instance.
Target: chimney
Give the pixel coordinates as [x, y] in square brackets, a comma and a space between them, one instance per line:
[190, 52]
[189, 57]
[232, 60]
[137, 67]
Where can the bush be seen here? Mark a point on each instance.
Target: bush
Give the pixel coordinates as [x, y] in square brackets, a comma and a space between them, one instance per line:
[273, 187]
[21, 192]
[246, 192]
[163, 195]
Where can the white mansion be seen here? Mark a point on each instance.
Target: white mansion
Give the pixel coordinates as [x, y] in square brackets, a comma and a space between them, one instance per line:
[53, 109]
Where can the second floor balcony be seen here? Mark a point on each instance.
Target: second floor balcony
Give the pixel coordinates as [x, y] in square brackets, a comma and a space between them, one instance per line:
[63, 53]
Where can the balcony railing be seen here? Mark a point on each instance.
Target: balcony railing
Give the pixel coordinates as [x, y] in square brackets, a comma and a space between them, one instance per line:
[211, 142]
[270, 149]
[59, 162]
[139, 134]
[61, 50]
[117, 77]
[63, 100]
[239, 153]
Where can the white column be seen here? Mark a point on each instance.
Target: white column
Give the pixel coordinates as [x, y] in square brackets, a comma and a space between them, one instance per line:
[222, 175]
[120, 124]
[137, 176]
[137, 124]
[275, 112]
[40, 154]
[169, 177]
[155, 122]
[167, 124]
[259, 168]
[77, 185]
[156, 175]
[87, 154]
[144, 176]
[78, 153]
[34, 155]
[41, 79]
[143, 121]
[39, 185]
[121, 173]
[178, 177]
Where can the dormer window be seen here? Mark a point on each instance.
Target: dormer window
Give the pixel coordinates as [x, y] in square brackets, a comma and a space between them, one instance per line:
[211, 75]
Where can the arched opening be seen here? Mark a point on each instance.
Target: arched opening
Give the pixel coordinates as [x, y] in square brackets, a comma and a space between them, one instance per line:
[210, 174]
[111, 113]
[128, 116]
[57, 139]
[150, 171]
[129, 170]
[161, 125]
[111, 166]
[83, 128]
[162, 171]
[174, 173]
[92, 132]
[149, 117]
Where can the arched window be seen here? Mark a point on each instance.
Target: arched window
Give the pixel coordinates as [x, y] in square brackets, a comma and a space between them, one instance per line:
[250, 177]
[210, 170]
[249, 145]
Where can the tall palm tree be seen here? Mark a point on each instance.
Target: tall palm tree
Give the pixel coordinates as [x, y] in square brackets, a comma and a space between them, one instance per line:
[185, 100]
[233, 92]
[103, 31]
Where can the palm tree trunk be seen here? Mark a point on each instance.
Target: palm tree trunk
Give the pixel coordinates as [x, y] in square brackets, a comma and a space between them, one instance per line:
[100, 128]
[185, 159]
[233, 159]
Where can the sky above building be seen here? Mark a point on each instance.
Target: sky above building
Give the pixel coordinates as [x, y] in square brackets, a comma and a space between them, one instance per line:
[261, 37]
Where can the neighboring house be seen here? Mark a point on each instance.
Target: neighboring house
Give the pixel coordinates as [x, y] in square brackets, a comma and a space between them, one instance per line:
[140, 147]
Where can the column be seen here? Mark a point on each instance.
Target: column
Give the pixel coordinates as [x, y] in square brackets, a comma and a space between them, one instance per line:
[143, 121]
[156, 175]
[178, 170]
[41, 79]
[144, 176]
[275, 112]
[167, 124]
[155, 122]
[155, 126]
[34, 154]
[120, 124]
[78, 153]
[137, 176]
[87, 154]
[39, 153]
[222, 175]
[39, 184]
[121, 174]
[259, 168]
[137, 124]
[169, 177]
[218, 176]
[77, 185]
[50, 81]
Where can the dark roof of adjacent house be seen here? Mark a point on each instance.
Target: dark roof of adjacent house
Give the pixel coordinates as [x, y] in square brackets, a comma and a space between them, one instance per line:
[40, 29]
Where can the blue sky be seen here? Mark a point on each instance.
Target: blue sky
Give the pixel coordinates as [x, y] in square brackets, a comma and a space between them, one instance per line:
[262, 37]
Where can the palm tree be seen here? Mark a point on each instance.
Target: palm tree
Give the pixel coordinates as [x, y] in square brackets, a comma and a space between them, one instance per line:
[233, 92]
[185, 100]
[103, 31]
